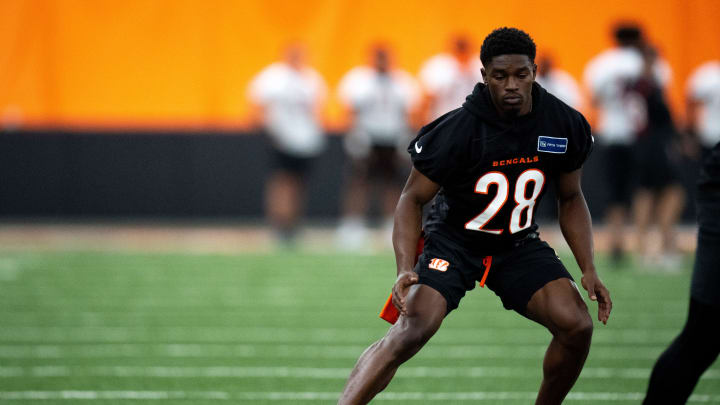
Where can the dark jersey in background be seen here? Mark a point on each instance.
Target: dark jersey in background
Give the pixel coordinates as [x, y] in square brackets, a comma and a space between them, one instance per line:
[706, 272]
[493, 172]
[709, 182]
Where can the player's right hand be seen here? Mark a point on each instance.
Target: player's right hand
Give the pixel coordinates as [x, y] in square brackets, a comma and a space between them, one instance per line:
[597, 292]
[400, 290]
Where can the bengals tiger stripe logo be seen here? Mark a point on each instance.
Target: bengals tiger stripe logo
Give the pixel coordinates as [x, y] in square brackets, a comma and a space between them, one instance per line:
[439, 264]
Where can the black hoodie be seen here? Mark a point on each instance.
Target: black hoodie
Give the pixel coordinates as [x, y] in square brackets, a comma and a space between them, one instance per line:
[493, 171]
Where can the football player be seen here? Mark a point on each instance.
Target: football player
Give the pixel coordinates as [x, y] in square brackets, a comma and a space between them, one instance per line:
[679, 368]
[487, 164]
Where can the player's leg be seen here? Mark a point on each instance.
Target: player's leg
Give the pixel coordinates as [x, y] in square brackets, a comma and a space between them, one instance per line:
[670, 206]
[615, 219]
[283, 201]
[560, 307]
[391, 181]
[284, 193]
[679, 368]
[352, 231]
[356, 195]
[642, 216]
[619, 187]
[377, 365]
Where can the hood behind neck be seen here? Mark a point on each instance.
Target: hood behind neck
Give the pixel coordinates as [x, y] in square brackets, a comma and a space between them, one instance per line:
[480, 104]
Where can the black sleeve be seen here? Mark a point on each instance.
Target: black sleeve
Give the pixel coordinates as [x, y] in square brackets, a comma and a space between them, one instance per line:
[580, 144]
[436, 151]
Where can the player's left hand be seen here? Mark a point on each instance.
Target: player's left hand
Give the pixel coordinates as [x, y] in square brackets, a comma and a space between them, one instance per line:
[597, 292]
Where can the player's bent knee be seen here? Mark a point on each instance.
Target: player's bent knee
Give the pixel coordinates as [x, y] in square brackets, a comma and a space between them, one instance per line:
[408, 340]
[578, 333]
[405, 340]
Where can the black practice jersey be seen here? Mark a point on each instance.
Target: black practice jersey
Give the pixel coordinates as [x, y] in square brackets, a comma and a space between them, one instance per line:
[709, 181]
[493, 172]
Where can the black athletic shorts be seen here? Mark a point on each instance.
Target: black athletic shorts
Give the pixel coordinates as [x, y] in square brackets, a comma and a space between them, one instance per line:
[514, 275]
[656, 167]
[619, 173]
[290, 163]
[705, 285]
[381, 163]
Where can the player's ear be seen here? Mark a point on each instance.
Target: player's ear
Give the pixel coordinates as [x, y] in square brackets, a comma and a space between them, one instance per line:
[534, 70]
[484, 75]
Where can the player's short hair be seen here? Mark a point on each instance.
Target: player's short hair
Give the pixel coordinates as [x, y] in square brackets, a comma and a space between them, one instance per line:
[627, 34]
[507, 41]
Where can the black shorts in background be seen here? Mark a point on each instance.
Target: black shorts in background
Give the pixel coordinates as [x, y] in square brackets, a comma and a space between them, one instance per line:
[619, 173]
[656, 167]
[514, 275]
[292, 164]
[382, 163]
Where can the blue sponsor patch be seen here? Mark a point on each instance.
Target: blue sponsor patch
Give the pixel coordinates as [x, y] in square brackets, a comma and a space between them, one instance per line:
[552, 145]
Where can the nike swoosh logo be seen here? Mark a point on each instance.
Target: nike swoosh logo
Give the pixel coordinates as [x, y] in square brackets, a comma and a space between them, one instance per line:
[418, 149]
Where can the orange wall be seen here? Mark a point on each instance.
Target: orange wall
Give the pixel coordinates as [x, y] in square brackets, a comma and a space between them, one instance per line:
[186, 63]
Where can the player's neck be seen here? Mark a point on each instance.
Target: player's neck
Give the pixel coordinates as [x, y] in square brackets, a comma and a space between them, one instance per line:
[509, 115]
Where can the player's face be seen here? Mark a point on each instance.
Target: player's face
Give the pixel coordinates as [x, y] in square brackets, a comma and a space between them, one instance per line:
[509, 79]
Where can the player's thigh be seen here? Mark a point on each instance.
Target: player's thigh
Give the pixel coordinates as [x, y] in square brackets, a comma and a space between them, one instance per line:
[559, 306]
[426, 309]
[425, 304]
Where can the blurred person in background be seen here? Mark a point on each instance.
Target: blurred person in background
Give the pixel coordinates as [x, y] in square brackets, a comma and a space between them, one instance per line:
[635, 127]
[703, 105]
[558, 82]
[679, 368]
[287, 97]
[660, 194]
[381, 100]
[447, 78]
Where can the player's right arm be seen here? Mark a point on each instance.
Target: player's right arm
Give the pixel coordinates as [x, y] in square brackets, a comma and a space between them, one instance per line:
[408, 225]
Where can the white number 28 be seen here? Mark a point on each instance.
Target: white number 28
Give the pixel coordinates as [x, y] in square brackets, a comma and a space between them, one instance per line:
[503, 191]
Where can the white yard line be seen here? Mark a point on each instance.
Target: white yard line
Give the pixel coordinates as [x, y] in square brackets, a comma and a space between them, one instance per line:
[116, 395]
[323, 396]
[100, 334]
[312, 372]
[138, 350]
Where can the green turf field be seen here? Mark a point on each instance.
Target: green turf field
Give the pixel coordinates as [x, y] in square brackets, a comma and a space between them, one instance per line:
[102, 328]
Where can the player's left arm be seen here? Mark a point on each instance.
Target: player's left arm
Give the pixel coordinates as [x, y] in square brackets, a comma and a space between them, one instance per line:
[576, 227]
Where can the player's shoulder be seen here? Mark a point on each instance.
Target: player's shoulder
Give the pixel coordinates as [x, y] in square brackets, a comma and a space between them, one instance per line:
[355, 81]
[358, 73]
[441, 60]
[441, 147]
[611, 64]
[438, 70]
[612, 56]
[554, 105]
[274, 70]
[448, 124]
[445, 133]
[705, 75]
[566, 118]
[268, 81]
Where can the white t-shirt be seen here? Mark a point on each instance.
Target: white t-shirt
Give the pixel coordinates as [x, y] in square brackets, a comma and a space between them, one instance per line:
[448, 82]
[563, 86]
[704, 86]
[290, 97]
[380, 103]
[623, 113]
